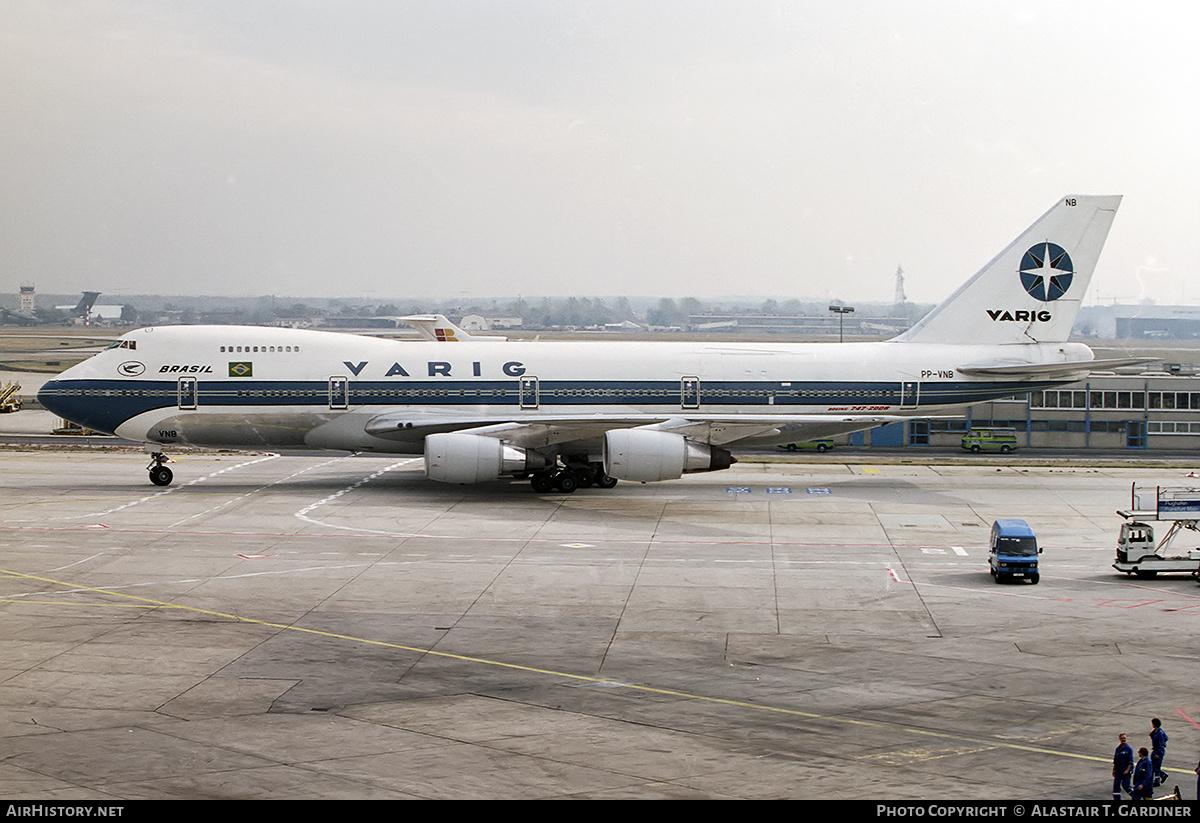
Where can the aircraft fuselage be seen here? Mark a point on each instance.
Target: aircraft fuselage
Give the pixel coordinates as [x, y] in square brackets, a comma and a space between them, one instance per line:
[230, 386]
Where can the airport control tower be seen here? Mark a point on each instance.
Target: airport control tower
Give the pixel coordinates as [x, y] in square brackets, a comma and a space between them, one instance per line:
[899, 300]
[26, 299]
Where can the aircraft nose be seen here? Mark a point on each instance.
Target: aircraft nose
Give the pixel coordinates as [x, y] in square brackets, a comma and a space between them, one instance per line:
[53, 396]
[77, 401]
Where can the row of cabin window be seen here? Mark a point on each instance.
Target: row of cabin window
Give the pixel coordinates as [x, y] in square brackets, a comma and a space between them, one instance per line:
[259, 349]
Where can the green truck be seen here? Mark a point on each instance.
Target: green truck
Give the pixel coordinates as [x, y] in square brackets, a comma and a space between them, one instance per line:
[990, 440]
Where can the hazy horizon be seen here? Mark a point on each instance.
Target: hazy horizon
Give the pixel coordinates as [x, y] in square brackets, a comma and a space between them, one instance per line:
[559, 147]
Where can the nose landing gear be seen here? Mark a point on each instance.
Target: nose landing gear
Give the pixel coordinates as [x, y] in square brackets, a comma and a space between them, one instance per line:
[160, 475]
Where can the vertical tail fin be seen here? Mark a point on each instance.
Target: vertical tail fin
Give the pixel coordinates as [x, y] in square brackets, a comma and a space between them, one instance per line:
[438, 327]
[1030, 292]
[85, 303]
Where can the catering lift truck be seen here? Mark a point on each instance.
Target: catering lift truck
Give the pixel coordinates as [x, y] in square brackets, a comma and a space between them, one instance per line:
[9, 400]
[1137, 553]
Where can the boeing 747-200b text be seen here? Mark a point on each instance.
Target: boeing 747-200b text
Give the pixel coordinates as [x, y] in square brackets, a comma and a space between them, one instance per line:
[573, 414]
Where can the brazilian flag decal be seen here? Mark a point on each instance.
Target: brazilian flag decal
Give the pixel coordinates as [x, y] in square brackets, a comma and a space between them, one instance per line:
[241, 369]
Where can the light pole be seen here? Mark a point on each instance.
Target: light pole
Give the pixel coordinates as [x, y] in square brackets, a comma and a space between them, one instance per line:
[841, 309]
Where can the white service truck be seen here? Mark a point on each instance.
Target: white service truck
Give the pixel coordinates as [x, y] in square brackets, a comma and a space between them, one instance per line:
[1137, 553]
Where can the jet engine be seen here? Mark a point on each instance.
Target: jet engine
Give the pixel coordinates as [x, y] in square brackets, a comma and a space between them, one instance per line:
[452, 457]
[647, 455]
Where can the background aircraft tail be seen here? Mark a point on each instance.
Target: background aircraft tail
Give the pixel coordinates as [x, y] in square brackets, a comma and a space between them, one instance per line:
[1030, 292]
[85, 303]
[438, 327]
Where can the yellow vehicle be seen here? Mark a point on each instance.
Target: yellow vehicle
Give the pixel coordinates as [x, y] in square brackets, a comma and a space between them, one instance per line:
[990, 440]
[9, 402]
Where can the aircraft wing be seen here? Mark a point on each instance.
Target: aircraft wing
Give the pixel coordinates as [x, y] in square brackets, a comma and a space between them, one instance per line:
[536, 431]
[1052, 371]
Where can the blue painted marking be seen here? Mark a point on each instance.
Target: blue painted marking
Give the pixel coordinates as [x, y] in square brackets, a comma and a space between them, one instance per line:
[738, 489]
[819, 491]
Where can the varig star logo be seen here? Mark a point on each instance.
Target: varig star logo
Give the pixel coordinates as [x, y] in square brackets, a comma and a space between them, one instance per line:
[242, 369]
[1046, 271]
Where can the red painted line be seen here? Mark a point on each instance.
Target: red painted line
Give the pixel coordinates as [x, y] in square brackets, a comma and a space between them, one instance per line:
[1136, 604]
[1185, 716]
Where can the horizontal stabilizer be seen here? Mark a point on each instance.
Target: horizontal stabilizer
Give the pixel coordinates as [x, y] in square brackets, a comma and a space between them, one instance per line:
[1052, 371]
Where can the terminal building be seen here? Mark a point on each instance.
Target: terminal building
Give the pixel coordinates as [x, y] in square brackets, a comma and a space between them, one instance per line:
[1141, 322]
[1157, 410]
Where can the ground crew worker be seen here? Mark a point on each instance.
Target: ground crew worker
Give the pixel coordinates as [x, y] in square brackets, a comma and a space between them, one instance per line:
[1122, 768]
[1158, 750]
[1143, 776]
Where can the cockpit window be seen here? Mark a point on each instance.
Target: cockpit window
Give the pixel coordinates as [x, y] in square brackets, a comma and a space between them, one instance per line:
[122, 344]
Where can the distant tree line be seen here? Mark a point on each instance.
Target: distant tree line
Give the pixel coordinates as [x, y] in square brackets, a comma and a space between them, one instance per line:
[540, 312]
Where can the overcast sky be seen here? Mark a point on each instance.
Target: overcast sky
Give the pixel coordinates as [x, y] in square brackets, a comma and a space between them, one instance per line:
[385, 148]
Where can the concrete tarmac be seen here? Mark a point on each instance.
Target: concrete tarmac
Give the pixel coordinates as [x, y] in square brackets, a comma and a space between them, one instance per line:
[326, 626]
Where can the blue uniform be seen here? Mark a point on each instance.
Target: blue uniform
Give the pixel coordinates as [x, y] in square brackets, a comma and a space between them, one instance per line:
[1158, 749]
[1122, 769]
[1143, 780]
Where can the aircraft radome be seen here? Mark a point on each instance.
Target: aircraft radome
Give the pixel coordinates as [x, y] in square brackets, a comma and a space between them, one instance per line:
[576, 414]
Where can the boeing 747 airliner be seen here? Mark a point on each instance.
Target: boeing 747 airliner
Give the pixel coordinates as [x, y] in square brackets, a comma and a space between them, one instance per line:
[575, 414]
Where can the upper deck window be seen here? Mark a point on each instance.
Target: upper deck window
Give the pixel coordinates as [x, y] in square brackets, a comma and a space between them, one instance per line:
[250, 349]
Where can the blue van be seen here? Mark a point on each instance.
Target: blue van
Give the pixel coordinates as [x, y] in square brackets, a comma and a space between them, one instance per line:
[1013, 551]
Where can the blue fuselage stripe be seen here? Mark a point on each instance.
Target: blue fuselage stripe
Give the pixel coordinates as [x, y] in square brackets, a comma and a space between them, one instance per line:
[105, 404]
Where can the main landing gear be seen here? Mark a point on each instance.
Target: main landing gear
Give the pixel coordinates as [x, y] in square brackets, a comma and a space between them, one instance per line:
[160, 475]
[572, 477]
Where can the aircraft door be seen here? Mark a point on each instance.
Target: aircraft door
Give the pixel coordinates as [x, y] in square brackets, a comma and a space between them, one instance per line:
[187, 392]
[910, 394]
[689, 393]
[529, 392]
[339, 393]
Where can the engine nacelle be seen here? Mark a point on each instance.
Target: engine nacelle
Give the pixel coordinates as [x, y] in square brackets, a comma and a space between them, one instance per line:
[646, 455]
[452, 457]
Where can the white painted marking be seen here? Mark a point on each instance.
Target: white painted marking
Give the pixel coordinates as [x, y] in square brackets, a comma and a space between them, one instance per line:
[233, 500]
[303, 513]
[163, 493]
